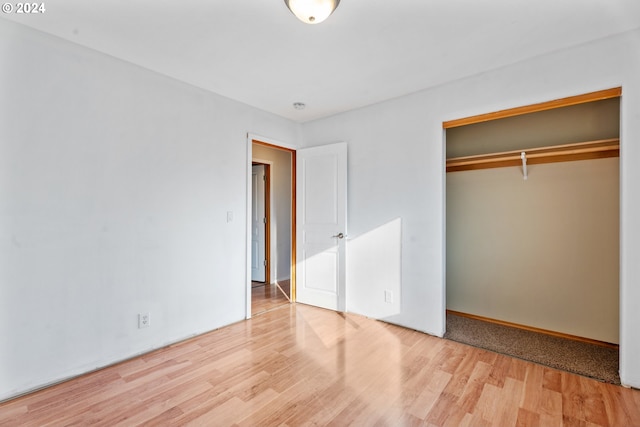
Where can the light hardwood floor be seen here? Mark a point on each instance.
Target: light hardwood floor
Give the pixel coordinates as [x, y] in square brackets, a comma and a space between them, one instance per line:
[265, 297]
[299, 365]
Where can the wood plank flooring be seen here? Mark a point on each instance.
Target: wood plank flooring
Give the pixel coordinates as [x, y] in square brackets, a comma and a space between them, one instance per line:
[298, 365]
[265, 297]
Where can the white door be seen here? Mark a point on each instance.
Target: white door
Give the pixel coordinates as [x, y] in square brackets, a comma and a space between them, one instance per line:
[258, 220]
[321, 183]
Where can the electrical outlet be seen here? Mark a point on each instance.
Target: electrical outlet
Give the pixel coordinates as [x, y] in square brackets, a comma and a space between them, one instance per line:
[144, 320]
[388, 296]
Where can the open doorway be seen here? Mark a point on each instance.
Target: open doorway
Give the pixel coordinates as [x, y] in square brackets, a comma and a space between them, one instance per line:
[314, 214]
[272, 226]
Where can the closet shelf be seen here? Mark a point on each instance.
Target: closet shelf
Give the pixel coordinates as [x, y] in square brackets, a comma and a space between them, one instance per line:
[558, 153]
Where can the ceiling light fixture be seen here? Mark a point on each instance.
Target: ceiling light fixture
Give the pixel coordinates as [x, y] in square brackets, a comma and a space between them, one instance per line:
[312, 11]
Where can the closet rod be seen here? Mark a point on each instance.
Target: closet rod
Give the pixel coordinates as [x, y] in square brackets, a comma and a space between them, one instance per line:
[560, 153]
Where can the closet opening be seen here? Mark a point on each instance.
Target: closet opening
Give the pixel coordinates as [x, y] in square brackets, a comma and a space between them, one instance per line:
[532, 214]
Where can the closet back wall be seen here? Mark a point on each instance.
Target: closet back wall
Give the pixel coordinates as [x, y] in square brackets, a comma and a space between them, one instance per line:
[542, 252]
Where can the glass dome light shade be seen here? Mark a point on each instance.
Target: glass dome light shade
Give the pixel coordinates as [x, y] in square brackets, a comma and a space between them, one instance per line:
[312, 11]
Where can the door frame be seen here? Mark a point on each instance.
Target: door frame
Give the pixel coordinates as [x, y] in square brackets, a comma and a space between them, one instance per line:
[278, 145]
[267, 216]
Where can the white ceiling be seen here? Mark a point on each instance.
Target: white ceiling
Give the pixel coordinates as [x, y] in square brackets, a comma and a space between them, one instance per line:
[257, 52]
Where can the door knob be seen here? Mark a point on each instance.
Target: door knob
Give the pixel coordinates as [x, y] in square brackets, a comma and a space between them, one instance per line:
[339, 236]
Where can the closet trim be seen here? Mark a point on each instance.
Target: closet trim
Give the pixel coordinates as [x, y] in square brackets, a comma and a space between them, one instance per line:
[549, 105]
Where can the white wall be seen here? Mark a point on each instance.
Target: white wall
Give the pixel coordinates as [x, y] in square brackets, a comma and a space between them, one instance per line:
[114, 187]
[396, 170]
